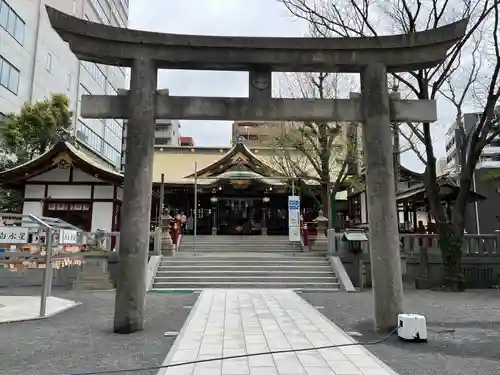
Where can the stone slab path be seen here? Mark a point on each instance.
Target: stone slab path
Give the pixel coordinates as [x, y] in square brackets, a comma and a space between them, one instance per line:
[21, 308]
[234, 322]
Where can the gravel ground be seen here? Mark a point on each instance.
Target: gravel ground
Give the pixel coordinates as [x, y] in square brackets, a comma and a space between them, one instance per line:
[81, 339]
[463, 329]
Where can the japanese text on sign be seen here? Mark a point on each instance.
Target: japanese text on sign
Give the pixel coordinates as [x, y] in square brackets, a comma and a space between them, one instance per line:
[68, 236]
[294, 218]
[13, 235]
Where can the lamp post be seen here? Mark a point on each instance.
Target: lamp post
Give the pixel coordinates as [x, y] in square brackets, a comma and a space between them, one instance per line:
[214, 200]
[265, 200]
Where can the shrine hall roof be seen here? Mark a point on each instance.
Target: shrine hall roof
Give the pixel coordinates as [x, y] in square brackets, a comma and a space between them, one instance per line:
[62, 154]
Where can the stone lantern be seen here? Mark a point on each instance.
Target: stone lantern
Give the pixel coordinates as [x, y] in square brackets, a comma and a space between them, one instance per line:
[214, 201]
[167, 246]
[265, 200]
[321, 242]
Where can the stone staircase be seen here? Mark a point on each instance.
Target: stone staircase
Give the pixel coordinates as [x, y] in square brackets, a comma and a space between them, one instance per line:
[238, 244]
[251, 270]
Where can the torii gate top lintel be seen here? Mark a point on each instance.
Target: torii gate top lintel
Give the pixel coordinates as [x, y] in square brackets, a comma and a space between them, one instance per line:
[110, 45]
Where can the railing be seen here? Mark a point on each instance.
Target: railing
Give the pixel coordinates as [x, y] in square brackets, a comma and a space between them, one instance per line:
[110, 241]
[484, 245]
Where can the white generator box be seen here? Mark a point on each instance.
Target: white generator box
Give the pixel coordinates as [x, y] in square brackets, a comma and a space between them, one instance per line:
[412, 327]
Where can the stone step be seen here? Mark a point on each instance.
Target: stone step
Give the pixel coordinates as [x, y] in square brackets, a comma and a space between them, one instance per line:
[241, 269]
[238, 247]
[246, 285]
[241, 278]
[243, 264]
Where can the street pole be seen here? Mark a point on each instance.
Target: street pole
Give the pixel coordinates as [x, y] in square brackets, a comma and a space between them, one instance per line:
[195, 221]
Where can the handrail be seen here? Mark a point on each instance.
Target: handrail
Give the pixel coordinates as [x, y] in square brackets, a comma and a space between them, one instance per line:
[39, 221]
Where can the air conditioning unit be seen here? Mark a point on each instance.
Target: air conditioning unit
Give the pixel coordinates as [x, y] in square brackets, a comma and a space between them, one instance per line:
[412, 327]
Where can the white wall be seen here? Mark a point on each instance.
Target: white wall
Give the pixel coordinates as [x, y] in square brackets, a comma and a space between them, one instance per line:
[364, 208]
[69, 191]
[102, 216]
[103, 192]
[34, 208]
[34, 191]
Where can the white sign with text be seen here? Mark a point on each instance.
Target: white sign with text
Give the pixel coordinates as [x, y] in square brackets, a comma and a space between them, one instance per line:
[294, 218]
[68, 237]
[13, 235]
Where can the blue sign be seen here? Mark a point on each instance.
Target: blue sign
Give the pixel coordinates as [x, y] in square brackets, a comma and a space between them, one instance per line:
[293, 204]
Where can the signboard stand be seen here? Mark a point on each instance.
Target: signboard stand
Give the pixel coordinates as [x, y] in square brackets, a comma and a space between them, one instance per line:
[16, 229]
[294, 220]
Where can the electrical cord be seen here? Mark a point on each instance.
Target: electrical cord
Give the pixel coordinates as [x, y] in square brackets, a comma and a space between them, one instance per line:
[138, 369]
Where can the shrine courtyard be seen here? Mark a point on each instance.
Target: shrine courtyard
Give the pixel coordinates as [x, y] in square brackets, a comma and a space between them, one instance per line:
[463, 333]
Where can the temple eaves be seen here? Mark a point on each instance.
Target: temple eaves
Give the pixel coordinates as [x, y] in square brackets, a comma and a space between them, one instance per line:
[110, 45]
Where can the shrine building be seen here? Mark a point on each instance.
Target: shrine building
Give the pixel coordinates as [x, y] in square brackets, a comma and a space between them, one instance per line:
[239, 190]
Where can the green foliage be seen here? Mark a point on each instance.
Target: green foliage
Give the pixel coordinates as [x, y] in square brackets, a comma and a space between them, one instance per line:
[491, 176]
[28, 134]
[36, 128]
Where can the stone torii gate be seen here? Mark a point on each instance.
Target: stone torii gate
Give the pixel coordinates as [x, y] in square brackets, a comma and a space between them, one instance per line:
[147, 52]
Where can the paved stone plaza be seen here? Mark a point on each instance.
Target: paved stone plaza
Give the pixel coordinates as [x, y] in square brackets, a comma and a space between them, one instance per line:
[236, 322]
[20, 308]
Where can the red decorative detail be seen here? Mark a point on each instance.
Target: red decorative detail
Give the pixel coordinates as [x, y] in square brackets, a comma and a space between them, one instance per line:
[186, 141]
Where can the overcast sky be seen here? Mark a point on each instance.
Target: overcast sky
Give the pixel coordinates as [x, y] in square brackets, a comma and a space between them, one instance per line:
[226, 17]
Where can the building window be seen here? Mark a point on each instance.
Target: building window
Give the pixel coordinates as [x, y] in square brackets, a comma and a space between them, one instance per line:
[9, 76]
[48, 62]
[97, 143]
[100, 12]
[11, 22]
[68, 82]
[96, 73]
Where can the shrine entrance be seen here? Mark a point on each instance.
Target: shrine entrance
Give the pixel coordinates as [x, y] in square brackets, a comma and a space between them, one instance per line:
[146, 52]
[240, 216]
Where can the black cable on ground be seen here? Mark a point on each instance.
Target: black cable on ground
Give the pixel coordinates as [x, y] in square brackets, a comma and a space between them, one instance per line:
[138, 369]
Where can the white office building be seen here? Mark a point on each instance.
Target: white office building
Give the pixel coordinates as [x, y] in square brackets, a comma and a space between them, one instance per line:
[490, 157]
[35, 62]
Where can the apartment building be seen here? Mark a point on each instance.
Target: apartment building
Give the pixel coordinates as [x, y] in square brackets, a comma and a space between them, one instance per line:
[167, 134]
[255, 133]
[35, 62]
[490, 157]
[482, 217]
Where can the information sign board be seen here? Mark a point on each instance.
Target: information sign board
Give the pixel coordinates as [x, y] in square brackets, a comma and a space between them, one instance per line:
[294, 218]
[13, 235]
[68, 237]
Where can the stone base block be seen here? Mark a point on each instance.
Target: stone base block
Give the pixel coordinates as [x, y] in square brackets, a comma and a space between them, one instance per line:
[320, 244]
[94, 284]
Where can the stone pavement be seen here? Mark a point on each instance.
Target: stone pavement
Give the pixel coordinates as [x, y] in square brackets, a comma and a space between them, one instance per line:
[235, 322]
[20, 308]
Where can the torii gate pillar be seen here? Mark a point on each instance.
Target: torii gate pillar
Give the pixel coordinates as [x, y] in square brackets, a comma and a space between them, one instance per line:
[381, 195]
[136, 208]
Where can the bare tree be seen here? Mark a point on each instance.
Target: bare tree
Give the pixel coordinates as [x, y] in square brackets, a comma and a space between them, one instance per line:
[316, 151]
[368, 18]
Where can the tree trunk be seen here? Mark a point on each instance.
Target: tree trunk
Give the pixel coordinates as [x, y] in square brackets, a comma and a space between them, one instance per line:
[450, 242]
